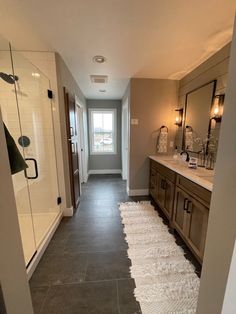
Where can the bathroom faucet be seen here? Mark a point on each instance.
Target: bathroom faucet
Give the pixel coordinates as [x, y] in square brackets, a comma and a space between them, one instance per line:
[187, 154]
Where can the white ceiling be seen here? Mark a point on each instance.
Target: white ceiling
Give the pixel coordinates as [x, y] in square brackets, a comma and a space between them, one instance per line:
[139, 38]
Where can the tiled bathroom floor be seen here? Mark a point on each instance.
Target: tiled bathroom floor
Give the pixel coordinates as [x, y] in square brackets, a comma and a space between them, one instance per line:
[85, 268]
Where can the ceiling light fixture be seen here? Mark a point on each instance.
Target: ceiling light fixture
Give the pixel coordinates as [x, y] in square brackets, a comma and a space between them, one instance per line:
[102, 90]
[99, 59]
[100, 79]
[35, 74]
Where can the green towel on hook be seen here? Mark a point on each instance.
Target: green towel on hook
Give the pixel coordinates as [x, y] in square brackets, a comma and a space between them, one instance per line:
[17, 162]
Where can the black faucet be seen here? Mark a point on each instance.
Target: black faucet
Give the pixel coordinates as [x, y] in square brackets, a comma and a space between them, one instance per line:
[187, 154]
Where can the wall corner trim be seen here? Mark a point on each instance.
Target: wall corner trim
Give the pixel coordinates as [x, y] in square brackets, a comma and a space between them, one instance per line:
[139, 192]
[68, 212]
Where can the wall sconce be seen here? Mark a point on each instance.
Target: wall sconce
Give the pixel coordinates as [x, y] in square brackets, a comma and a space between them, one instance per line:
[179, 116]
[217, 108]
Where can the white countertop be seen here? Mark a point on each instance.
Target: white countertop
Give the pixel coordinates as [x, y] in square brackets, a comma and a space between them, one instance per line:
[201, 176]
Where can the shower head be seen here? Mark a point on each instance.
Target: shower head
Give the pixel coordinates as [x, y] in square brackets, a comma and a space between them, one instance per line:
[9, 78]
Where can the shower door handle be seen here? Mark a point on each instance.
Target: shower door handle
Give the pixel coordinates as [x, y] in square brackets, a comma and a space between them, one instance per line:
[35, 167]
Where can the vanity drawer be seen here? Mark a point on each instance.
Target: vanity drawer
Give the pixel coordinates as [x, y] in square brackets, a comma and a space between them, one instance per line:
[166, 172]
[194, 189]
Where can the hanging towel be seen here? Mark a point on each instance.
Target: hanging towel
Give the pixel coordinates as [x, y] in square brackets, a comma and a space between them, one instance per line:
[189, 138]
[17, 162]
[162, 140]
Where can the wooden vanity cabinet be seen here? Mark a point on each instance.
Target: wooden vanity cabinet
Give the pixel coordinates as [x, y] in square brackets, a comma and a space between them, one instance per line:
[179, 216]
[190, 219]
[153, 183]
[162, 187]
[185, 204]
[191, 213]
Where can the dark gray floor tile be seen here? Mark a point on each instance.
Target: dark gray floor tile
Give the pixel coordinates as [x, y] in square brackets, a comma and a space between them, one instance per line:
[38, 295]
[126, 298]
[109, 265]
[100, 212]
[59, 269]
[96, 243]
[94, 298]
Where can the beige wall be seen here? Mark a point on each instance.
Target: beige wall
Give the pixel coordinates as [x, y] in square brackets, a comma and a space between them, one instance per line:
[215, 68]
[65, 79]
[222, 221]
[152, 102]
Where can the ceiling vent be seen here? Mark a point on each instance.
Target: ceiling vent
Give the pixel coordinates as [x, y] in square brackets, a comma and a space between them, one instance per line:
[101, 79]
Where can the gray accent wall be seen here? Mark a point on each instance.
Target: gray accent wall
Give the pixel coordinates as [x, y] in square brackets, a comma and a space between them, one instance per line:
[214, 68]
[152, 102]
[107, 162]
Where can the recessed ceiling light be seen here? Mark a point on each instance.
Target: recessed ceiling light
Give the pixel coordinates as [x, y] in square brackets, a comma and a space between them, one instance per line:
[102, 90]
[99, 59]
[35, 74]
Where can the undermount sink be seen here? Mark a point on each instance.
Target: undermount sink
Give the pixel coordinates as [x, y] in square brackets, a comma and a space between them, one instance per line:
[200, 172]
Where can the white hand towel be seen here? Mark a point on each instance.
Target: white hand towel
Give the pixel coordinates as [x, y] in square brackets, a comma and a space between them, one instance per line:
[162, 142]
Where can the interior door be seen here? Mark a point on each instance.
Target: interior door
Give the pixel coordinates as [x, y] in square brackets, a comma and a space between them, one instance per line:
[73, 145]
[125, 130]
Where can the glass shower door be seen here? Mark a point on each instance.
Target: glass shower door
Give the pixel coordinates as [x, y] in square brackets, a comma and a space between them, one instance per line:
[10, 117]
[37, 142]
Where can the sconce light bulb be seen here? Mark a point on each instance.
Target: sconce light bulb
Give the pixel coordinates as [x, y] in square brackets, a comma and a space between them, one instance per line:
[216, 110]
[177, 119]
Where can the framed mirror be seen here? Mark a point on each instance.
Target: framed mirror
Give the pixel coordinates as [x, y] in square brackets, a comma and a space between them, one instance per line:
[197, 121]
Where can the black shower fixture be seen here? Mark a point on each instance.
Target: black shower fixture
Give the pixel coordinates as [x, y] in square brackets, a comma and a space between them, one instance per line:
[9, 78]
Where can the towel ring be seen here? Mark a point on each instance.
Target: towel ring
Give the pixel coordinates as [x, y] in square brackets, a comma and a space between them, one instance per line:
[164, 127]
[189, 128]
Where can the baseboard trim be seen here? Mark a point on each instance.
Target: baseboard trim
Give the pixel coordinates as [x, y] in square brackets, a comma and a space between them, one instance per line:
[68, 212]
[86, 177]
[105, 171]
[139, 192]
[42, 247]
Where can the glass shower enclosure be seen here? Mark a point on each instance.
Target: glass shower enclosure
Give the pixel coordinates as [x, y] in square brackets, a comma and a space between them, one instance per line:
[27, 114]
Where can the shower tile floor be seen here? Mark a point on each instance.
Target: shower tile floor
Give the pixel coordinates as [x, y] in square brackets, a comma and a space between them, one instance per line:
[32, 234]
[85, 268]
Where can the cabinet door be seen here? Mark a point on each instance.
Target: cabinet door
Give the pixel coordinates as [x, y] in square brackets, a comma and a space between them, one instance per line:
[179, 217]
[160, 190]
[169, 197]
[153, 183]
[197, 219]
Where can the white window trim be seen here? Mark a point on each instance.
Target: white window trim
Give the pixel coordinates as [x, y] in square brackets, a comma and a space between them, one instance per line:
[114, 110]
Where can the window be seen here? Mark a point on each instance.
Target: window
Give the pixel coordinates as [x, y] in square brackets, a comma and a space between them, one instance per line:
[102, 131]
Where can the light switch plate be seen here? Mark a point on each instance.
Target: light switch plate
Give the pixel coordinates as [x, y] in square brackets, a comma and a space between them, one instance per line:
[134, 121]
[171, 144]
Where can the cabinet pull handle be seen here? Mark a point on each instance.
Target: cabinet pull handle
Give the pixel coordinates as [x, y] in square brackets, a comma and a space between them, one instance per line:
[164, 185]
[185, 203]
[189, 209]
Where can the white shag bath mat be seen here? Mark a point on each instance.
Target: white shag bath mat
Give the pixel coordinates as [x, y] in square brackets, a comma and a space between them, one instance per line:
[165, 280]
